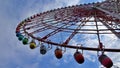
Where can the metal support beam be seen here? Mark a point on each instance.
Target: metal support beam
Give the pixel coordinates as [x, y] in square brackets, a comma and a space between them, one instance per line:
[111, 14]
[113, 31]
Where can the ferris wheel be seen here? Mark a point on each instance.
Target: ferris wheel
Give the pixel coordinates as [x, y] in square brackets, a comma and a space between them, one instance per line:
[59, 26]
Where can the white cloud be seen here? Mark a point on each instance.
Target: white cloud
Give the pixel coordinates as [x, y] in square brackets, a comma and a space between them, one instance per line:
[67, 2]
[12, 51]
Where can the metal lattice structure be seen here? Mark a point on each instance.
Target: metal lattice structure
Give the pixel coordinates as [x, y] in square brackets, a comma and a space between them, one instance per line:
[72, 21]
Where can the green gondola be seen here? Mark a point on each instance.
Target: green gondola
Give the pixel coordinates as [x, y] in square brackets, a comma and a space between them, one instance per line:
[25, 41]
[20, 37]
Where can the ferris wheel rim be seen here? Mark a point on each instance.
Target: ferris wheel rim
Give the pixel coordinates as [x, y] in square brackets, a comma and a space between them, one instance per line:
[64, 45]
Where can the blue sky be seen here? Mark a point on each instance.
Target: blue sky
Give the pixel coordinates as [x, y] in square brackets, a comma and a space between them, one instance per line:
[13, 54]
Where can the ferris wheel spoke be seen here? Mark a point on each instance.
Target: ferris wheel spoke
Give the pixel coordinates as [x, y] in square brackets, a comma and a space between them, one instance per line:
[38, 20]
[42, 29]
[39, 23]
[75, 31]
[113, 30]
[47, 26]
[55, 31]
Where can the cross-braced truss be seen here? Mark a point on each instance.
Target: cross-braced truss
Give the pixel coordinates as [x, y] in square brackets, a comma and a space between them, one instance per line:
[93, 18]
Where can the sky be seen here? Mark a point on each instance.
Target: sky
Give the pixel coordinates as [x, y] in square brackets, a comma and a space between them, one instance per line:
[13, 54]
